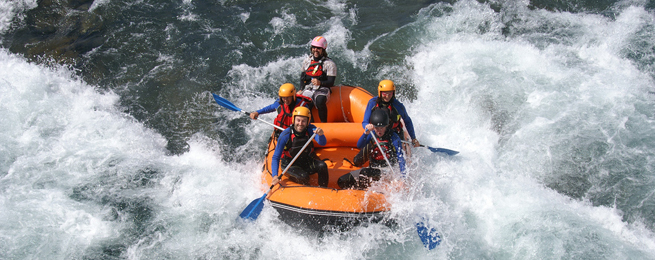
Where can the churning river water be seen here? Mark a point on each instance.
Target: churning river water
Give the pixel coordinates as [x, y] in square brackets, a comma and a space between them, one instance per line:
[111, 146]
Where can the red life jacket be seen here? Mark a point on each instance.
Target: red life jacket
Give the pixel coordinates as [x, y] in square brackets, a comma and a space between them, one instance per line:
[295, 143]
[376, 156]
[284, 117]
[315, 70]
[394, 116]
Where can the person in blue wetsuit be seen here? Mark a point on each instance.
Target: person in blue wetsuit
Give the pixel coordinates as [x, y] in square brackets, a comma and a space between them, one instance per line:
[386, 100]
[289, 144]
[390, 146]
[287, 102]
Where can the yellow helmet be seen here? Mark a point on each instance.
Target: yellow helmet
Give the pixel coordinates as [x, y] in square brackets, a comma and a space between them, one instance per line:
[302, 111]
[287, 90]
[386, 85]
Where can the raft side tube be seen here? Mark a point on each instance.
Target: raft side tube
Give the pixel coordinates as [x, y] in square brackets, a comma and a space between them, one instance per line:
[346, 104]
[340, 134]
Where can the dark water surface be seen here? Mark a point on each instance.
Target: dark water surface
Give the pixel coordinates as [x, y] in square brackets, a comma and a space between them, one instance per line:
[114, 148]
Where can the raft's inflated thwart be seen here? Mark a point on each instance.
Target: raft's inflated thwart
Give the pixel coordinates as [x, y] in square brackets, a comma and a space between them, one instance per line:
[316, 207]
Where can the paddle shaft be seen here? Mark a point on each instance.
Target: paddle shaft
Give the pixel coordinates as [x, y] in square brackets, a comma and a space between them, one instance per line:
[382, 152]
[298, 155]
[227, 104]
[255, 207]
[278, 127]
[279, 176]
[407, 151]
[429, 236]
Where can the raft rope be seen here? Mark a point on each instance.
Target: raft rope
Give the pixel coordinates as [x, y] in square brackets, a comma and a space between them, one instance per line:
[266, 164]
[305, 186]
[343, 112]
[327, 212]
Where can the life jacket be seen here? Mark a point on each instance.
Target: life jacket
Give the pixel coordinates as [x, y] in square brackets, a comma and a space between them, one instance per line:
[284, 117]
[315, 70]
[377, 155]
[295, 143]
[394, 116]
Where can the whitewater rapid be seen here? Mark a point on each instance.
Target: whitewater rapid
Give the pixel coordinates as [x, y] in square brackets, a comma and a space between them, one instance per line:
[554, 129]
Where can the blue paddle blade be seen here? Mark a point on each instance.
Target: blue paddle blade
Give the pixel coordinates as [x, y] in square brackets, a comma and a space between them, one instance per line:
[442, 150]
[254, 208]
[429, 236]
[225, 103]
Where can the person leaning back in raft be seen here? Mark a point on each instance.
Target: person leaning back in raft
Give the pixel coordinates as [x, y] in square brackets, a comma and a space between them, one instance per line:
[291, 142]
[318, 76]
[390, 145]
[386, 100]
[287, 102]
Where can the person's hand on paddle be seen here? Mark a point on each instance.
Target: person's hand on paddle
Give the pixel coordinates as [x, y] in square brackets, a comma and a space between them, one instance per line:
[318, 131]
[254, 115]
[368, 128]
[416, 143]
[275, 181]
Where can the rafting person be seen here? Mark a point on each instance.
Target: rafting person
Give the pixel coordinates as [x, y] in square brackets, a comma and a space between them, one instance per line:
[369, 151]
[284, 106]
[386, 100]
[318, 76]
[291, 141]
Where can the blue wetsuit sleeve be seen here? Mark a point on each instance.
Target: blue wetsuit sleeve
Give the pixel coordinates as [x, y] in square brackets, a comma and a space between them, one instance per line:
[367, 113]
[270, 108]
[403, 114]
[363, 140]
[399, 153]
[279, 149]
[320, 139]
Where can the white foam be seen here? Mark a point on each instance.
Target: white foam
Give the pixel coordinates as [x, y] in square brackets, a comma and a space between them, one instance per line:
[513, 109]
[56, 132]
[10, 10]
[506, 105]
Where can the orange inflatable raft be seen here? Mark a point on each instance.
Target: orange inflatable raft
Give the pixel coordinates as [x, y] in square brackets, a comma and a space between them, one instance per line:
[317, 207]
